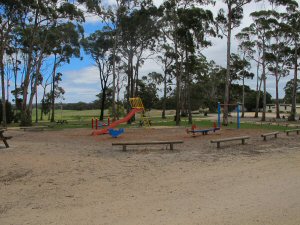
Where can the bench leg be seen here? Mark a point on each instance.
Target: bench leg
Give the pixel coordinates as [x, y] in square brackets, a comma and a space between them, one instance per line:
[218, 145]
[297, 131]
[171, 146]
[275, 135]
[124, 148]
[287, 133]
[265, 138]
[243, 141]
[6, 144]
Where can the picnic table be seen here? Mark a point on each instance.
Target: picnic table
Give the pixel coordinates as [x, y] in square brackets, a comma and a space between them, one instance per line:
[4, 138]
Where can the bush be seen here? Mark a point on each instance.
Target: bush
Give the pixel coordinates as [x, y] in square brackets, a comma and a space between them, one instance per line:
[26, 119]
[120, 110]
[9, 112]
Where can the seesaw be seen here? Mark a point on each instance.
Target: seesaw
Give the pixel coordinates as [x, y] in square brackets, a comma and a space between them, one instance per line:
[115, 133]
[194, 130]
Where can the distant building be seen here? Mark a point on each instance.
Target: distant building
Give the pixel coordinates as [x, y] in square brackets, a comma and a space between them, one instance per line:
[285, 108]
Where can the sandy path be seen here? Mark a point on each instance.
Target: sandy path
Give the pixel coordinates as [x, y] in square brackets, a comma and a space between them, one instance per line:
[41, 183]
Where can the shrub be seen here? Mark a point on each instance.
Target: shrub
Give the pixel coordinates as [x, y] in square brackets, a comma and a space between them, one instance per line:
[9, 112]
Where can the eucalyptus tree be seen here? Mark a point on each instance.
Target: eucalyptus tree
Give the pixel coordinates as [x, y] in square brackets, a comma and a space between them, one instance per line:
[278, 58]
[226, 22]
[64, 44]
[176, 30]
[258, 35]
[110, 14]
[138, 33]
[288, 90]
[11, 12]
[293, 21]
[38, 18]
[194, 29]
[251, 50]
[166, 59]
[99, 46]
[239, 70]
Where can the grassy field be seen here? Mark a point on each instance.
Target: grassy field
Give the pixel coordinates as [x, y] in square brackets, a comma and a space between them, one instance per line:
[82, 119]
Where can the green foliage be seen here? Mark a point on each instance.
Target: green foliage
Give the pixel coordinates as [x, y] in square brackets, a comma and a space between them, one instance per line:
[289, 91]
[9, 112]
[121, 111]
[250, 100]
[26, 119]
[147, 91]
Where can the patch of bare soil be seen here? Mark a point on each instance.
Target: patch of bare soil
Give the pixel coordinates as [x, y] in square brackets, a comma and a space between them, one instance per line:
[70, 177]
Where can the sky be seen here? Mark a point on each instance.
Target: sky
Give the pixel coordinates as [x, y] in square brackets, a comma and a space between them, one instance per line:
[81, 80]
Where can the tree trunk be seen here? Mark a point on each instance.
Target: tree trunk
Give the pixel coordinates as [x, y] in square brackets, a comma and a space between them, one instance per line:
[258, 88]
[178, 86]
[277, 91]
[53, 90]
[3, 88]
[7, 89]
[227, 84]
[42, 108]
[188, 88]
[15, 79]
[263, 118]
[258, 99]
[26, 114]
[277, 101]
[114, 75]
[243, 99]
[163, 115]
[36, 106]
[118, 95]
[292, 116]
[102, 104]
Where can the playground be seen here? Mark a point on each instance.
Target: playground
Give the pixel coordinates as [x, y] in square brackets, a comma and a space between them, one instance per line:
[72, 177]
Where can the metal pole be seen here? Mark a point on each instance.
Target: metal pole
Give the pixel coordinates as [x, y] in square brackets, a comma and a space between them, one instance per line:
[219, 115]
[238, 116]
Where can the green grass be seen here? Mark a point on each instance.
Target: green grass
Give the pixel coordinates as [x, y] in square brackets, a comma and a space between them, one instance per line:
[69, 115]
[82, 119]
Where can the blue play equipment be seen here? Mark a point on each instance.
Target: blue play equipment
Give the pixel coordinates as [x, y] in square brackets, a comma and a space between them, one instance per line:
[116, 133]
[194, 130]
[237, 111]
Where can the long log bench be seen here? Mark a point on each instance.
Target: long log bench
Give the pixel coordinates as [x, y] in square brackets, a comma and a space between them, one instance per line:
[275, 134]
[171, 143]
[293, 130]
[218, 141]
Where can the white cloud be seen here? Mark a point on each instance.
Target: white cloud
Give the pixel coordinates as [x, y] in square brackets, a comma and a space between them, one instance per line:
[86, 75]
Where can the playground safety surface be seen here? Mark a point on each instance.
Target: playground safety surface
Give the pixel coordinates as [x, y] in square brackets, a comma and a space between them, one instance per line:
[69, 177]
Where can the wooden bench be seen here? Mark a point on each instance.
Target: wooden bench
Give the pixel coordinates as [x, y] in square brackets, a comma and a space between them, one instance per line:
[269, 134]
[4, 139]
[294, 130]
[243, 138]
[171, 143]
[33, 128]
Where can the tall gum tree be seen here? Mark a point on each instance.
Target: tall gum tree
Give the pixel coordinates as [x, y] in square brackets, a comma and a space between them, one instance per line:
[99, 46]
[227, 21]
[293, 21]
[11, 12]
[40, 15]
[171, 29]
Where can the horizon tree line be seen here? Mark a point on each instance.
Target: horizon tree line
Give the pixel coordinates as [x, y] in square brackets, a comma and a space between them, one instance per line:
[175, 34]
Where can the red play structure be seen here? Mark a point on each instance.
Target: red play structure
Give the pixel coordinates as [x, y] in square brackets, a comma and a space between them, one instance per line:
[136, 105]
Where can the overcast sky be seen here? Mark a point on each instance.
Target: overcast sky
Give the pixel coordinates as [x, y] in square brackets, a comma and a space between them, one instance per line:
[80, 77]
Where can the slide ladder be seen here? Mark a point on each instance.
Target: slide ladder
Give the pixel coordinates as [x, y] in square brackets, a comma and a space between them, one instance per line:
[136, 103]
